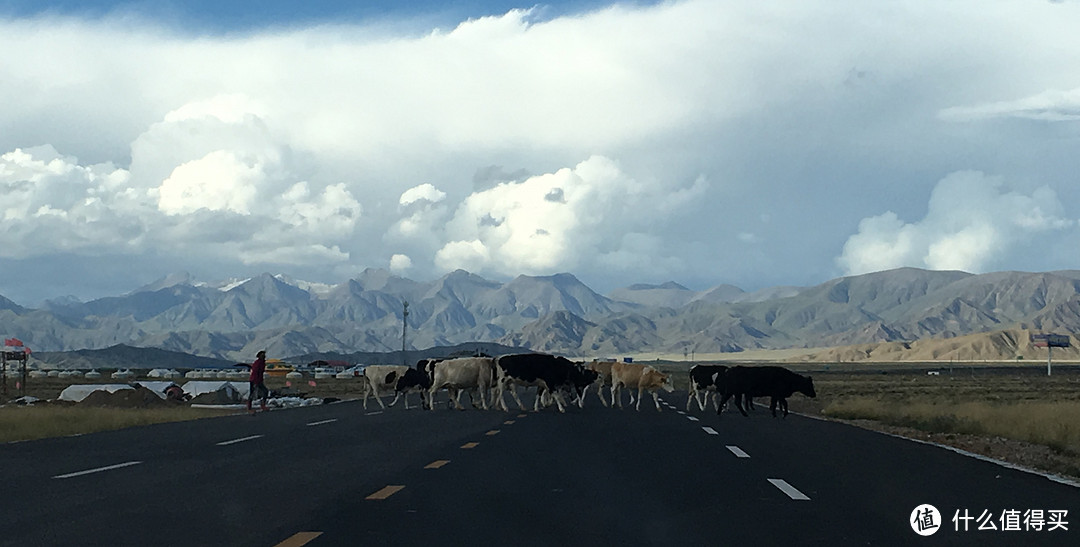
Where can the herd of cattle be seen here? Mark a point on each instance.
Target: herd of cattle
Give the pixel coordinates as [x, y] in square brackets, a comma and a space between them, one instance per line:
[557, 378]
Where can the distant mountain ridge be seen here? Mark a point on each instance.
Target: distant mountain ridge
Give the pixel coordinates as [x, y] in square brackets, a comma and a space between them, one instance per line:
[232, 319]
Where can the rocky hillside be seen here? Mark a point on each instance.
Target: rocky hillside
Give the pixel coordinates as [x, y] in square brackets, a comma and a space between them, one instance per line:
[232, 319]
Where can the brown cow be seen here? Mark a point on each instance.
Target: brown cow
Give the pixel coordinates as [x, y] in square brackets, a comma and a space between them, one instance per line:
[642, 377]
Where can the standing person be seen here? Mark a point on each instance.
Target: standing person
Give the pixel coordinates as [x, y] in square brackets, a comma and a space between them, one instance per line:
[257, 387]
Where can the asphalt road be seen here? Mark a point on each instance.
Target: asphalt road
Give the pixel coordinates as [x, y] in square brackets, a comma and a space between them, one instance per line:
[339, 475]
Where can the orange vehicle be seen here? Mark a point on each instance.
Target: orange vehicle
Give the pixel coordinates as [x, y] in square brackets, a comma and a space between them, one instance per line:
[277, 369]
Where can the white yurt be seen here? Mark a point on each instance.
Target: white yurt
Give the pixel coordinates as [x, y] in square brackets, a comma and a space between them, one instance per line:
[78, 392]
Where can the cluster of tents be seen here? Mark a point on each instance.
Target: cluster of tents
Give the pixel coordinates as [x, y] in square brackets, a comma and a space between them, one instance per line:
[196, 393]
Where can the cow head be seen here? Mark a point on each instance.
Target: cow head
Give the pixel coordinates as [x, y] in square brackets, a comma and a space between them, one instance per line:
[582, 378]
[666, 386]
[652, 377]
[806, 387]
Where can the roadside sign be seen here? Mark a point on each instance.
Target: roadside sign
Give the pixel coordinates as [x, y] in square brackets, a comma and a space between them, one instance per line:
[1050, 341]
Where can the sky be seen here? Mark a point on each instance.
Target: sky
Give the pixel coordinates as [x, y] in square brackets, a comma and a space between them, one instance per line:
[699, 141]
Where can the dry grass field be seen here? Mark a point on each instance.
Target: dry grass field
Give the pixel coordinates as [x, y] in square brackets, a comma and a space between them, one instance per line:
[1015, 414]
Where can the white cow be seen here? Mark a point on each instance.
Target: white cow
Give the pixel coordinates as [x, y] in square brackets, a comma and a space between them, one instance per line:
[472, 374]
[382, 378]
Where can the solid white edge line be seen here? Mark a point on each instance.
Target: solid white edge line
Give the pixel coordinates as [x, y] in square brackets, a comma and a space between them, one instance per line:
[331, 420]
[737, 451]
[234, 441]
[710, 430]
[788, 489]
[1050, 476]
[98, 470]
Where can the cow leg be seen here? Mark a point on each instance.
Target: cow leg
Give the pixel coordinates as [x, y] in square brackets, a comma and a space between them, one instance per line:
[723, 402]
[783, 406]
[455, 394]
[498, 396]
[397, 395]
[514, 394]
[615, 397]
[656, 399]
[559, 401]
[600, 392]
[431, 397]
[479, 392]
[690, 395]
[379, 399]
[638, 405]
[772, 406]
[539, 397]
[739, 404]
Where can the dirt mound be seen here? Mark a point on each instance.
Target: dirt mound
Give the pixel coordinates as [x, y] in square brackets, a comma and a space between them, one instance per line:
[219, 397]
[139, 397]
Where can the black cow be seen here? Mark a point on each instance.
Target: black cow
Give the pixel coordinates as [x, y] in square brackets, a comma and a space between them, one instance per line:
[414, 380]
[778, 383]
[548, 373]
[704, 379]
[580, 379]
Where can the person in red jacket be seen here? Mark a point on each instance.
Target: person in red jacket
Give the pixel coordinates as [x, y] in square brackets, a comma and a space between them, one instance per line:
[257, 387]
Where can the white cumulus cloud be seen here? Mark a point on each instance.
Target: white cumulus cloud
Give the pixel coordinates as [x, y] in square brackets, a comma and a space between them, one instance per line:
[972, 222]
[400, 263]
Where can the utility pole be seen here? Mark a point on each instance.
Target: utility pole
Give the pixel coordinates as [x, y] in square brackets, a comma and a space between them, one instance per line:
[404, 324]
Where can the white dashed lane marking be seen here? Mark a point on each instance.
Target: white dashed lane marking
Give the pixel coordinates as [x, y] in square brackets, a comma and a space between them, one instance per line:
[788, 489]
[97, 470]
[234, 441]
[710, 430]
[692, 418]
[331, 420]
[738, 451]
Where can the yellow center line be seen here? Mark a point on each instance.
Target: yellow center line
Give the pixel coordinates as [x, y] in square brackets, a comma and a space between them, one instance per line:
[508, 422]
[436, 464]
[299, 539]
[492, 432]
[386, 492]
[470, 445]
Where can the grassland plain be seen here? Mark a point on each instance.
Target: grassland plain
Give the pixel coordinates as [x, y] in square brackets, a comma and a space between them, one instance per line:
[1006, 411]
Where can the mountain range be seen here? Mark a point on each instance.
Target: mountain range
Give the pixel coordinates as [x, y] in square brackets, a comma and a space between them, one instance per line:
[231, 320]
